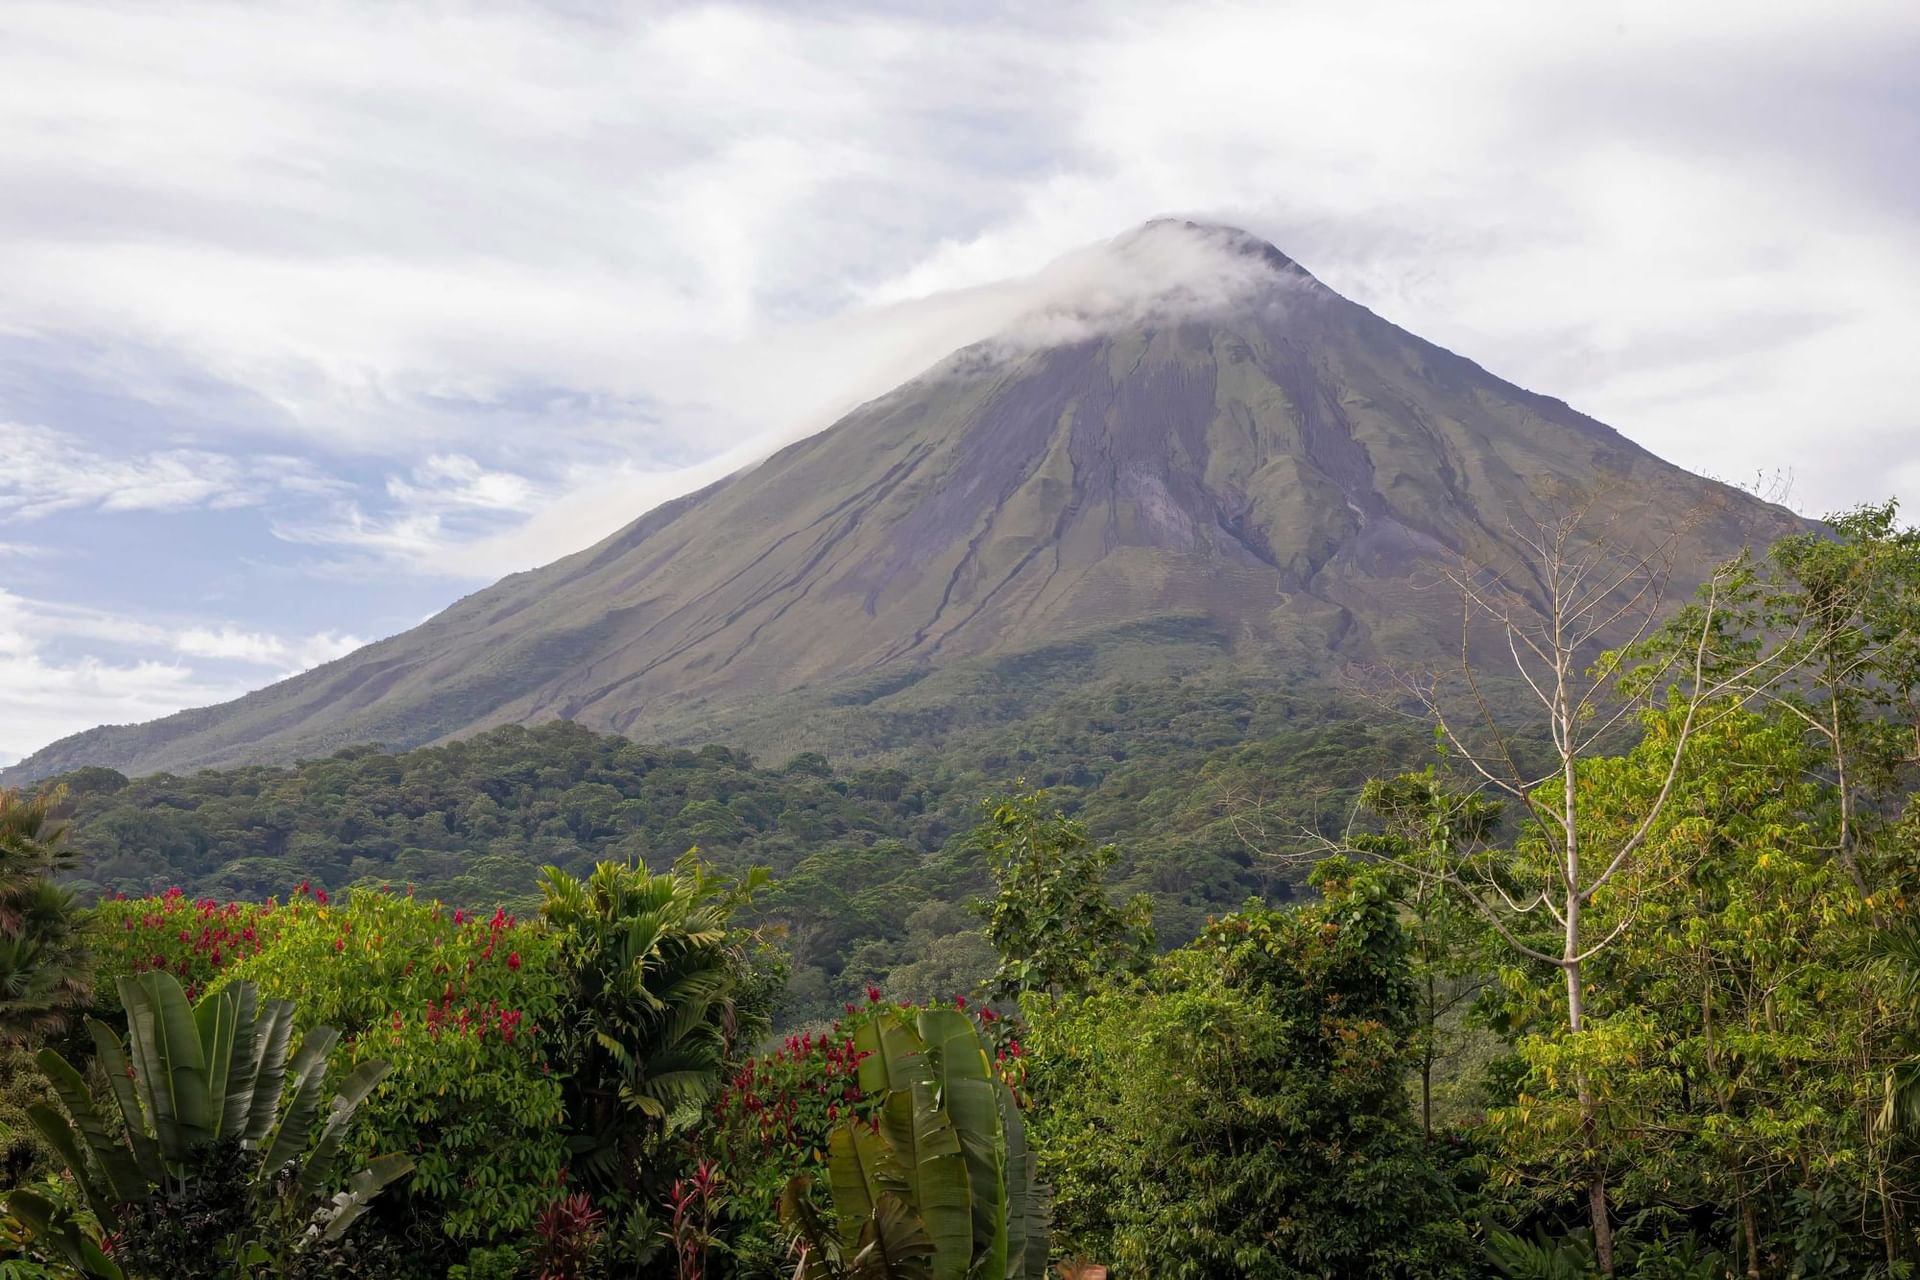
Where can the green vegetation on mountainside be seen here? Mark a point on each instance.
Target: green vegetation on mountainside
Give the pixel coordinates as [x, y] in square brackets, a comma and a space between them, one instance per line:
[872, 865]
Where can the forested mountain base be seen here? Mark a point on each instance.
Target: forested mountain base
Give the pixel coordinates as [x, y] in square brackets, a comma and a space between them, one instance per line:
[872, 866]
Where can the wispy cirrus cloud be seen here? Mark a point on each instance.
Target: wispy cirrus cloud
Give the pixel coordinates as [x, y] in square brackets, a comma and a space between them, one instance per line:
[43, 471]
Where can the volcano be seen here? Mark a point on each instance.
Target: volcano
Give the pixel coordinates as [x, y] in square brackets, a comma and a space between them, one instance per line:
[1219, 464]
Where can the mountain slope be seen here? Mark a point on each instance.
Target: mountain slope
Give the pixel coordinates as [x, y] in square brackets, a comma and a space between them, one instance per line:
[1237, 467]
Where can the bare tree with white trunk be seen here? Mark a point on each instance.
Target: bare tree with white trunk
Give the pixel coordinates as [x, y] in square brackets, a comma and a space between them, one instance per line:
[1549, 626]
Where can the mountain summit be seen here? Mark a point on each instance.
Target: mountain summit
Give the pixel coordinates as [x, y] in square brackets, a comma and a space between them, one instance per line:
[1188, 453]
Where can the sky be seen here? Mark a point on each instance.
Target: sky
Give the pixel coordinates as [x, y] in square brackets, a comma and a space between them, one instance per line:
[315, 317]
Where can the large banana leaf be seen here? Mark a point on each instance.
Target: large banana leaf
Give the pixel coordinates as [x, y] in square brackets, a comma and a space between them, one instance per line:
[199, 1072]
[361, 1189]
[113, 1062]
[226, 1025]
[270, 1040]
[970, 1095]
[817, 1250]
[113, 1158]
[895, 1245]
[859, 1165]
[59, 1135]
[170, 1068]
[353, 1091]
[895, 1055]
[56, 1229]
[309, 1082]
[931, 1175]
[1027, 1201]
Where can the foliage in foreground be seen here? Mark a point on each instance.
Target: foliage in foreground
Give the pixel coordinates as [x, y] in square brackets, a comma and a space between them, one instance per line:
[460, 1003]
[1742, 1081]
[44, 965]
[940, 1184]
[1243, 1111]
[650, 1019]
[197, 1099]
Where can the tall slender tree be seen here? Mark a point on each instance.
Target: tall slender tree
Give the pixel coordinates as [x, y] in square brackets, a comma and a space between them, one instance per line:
[1557, 618]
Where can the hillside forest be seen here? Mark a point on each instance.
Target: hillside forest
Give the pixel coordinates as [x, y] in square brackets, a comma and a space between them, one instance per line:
[1597, 956]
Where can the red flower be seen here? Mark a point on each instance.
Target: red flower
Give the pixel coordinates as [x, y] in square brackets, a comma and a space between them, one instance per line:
[873, 995]
[513, 960]
[339, 944]
[320, 896]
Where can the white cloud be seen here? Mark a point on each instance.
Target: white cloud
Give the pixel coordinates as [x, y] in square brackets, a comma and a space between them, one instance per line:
[64, 668]
[1679, 218]
[44, 470]
[365, 213]
[260, 649]
[443, 503]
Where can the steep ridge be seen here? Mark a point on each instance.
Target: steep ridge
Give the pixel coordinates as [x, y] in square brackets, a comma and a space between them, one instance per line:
[1242, 467]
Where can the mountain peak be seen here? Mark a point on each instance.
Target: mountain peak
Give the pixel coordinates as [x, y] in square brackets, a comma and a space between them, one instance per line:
[1167, 270]
[1220, 236]
[1187, 455]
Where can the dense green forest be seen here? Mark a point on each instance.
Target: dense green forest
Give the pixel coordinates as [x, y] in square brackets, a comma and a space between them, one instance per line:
[873, 867]
[1633, 990]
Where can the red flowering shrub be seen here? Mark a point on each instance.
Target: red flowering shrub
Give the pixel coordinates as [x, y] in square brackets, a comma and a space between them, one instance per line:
[460, 1003]
[194, 939]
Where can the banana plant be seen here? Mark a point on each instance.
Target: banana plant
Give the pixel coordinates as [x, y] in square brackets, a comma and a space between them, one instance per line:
[943, 1188]
[193, 1075]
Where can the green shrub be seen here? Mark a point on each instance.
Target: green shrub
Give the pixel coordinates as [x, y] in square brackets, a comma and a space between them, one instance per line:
[210, 1157]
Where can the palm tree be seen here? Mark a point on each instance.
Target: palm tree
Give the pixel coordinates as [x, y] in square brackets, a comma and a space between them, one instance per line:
[44, 966]
[654, 965]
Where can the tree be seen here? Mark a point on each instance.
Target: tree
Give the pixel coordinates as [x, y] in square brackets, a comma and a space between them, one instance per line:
[1726, 1045]
[45, 970]
[197, 1095]
[1051, 920]
[1848, 599]
[1562, 613]
[654, 963]
[1243, 1109]
[1428, 828]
